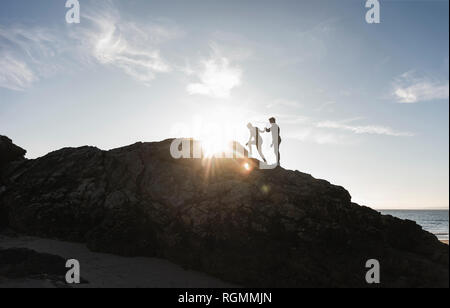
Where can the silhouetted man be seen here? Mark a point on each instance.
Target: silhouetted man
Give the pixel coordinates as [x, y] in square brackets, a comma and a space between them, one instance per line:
[276, 139]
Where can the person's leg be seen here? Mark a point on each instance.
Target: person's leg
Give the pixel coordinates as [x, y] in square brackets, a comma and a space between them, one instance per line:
[250, 148]
[261, 154]
[279, 155]
[276, 149]
[259, 145]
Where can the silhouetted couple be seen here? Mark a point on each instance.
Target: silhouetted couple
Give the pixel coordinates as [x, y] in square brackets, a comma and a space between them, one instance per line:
[257, 140]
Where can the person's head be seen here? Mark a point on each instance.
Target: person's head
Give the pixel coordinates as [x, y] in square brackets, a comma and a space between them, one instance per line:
[273, 121]
[249, 125]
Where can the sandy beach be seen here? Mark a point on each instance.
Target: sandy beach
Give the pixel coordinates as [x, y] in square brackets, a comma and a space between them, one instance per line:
[109, 271]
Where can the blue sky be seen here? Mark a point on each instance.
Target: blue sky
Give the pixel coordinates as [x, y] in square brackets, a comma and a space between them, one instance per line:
[362, 105]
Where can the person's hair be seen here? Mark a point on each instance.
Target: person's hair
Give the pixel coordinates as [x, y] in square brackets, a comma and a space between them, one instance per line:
[273, 120]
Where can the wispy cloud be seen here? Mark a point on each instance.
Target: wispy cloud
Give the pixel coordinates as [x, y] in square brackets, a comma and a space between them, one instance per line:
[15, 74]
[326, 107]
[129, 46]
[303, 128]
[34, 42]
[104, 38]
[408, 88]
[364, 129]
[313, 135]
[25, 54]
[217, 76]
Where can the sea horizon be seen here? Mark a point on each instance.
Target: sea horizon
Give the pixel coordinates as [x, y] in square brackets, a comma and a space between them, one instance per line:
[411, 209]
[434, 221]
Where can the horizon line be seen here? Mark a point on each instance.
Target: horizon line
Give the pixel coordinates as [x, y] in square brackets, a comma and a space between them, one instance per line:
[412, 209]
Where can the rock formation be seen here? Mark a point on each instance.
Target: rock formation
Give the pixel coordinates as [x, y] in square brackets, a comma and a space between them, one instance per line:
[9, 152]
[258, 228]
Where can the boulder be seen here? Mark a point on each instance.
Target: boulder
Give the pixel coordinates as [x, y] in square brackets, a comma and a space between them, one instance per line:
[256, 228]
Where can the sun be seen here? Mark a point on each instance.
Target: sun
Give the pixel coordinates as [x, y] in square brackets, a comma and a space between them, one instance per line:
[217, 128]
[214, 147]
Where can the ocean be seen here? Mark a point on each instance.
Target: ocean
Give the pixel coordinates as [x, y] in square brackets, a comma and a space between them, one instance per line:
[434, 221]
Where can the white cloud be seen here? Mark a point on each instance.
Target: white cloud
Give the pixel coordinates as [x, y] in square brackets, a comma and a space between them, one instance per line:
[15, 74]
[364, 129]
[217, 77]
[25, 55]
[129, 46]
[326, 107]
[312, 130]
[411, 89]
[103, 38]
[303, 128]
[314, 135]
[33, 41]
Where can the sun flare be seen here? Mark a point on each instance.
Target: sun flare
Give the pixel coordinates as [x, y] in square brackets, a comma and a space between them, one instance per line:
[217, 128]
[214, 147]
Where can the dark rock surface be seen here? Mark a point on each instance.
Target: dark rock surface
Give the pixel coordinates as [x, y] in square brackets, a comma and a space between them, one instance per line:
[9, 152]
[23, 263]
[264, 228]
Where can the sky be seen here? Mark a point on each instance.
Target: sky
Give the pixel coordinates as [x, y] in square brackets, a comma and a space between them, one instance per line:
[364, 106]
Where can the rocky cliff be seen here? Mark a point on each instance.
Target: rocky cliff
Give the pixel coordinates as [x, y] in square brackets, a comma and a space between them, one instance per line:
[9, 152]
[258, 228]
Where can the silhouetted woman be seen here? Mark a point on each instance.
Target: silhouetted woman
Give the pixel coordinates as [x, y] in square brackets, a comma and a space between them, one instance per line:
[255, 139]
